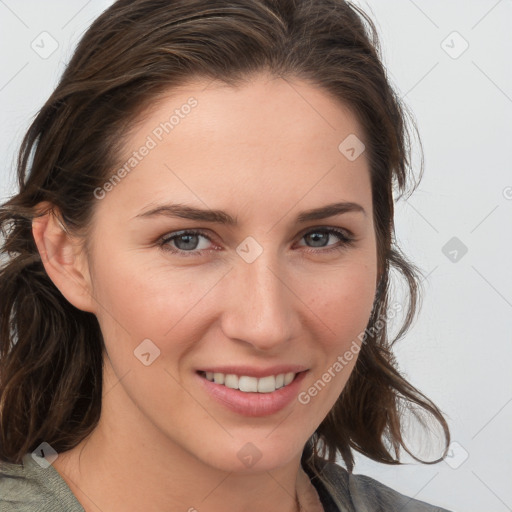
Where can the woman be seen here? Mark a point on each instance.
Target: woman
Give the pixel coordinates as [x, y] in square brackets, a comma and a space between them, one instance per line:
[195, 290]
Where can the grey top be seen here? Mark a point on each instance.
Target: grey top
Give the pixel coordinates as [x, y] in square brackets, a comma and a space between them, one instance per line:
[28, 487]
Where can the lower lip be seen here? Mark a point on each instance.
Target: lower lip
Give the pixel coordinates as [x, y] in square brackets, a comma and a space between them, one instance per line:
[253, 404]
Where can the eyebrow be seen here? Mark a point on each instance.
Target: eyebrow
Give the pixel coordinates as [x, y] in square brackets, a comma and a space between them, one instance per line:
[183, 211]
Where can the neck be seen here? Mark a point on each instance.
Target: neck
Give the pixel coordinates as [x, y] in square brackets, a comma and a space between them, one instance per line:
[130, 465]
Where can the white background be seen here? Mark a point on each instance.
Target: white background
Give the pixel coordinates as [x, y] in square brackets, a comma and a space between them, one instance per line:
[459, 351]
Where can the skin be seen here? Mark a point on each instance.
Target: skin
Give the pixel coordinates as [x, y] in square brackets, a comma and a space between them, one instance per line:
[263, 152]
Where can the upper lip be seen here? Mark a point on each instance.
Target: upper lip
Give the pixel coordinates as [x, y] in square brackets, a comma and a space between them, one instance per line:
[251, 371]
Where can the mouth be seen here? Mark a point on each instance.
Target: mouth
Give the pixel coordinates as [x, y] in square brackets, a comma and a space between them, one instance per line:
[263, 393]
[249, 384]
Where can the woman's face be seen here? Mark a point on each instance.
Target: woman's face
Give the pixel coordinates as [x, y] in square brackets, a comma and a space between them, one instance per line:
[200, 262]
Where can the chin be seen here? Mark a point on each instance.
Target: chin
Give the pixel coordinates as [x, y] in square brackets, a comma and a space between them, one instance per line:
[254, 456]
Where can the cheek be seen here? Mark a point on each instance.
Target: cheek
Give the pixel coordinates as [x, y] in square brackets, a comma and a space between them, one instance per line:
[170, 305]
[342, 306]
[144, 302]
[342, 300]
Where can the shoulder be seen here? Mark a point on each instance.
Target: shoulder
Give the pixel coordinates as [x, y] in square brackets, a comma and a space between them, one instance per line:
[367, 494]
[28, 487]
[17, 491]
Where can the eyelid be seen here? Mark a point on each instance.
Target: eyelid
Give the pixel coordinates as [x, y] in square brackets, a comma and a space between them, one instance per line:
[344, 231]
[165, 239]
[347, 238]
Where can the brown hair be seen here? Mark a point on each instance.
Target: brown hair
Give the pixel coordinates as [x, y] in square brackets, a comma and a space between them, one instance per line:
[50, 351]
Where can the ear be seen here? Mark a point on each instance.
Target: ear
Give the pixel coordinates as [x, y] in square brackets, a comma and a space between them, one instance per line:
[63, 258]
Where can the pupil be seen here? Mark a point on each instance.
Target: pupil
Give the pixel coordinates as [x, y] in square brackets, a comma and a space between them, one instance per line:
[316, 236]
[189, 237]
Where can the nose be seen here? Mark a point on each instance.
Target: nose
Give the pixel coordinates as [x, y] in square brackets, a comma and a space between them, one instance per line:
[261, 308]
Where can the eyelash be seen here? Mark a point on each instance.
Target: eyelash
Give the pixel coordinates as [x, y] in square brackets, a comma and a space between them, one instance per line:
[344, 238]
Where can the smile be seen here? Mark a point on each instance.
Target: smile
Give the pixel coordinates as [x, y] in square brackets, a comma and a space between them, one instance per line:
[248, 384]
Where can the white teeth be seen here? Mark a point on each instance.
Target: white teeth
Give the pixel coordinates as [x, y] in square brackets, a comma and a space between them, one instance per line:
[251, 384]
[247, 384]
[231, 381]
[288, 377]
[218, 378]
[266, 384]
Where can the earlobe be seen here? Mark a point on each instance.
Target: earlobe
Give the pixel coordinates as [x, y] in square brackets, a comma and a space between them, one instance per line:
[63, 258]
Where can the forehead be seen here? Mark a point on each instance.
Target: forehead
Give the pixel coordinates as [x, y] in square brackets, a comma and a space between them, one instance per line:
[268, 141]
